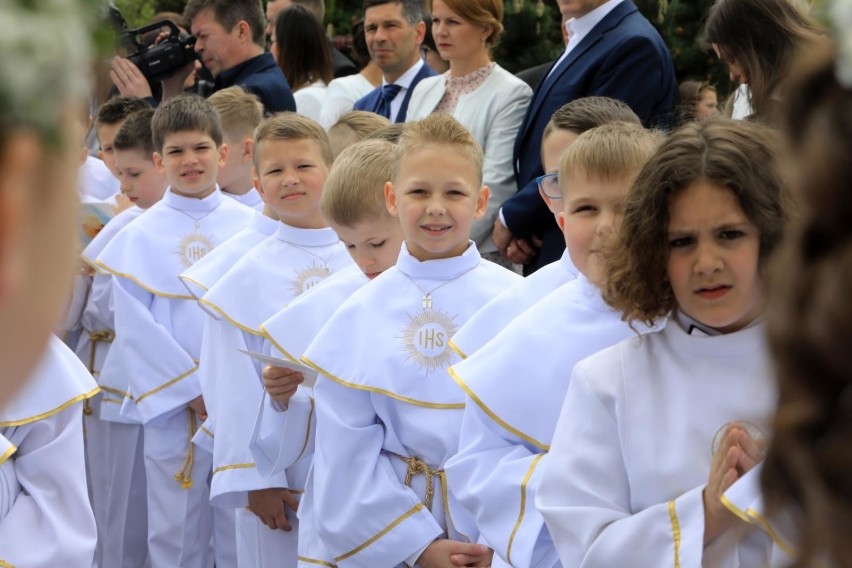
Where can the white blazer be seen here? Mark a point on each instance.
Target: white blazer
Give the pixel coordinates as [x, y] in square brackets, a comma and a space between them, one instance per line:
[493, 113]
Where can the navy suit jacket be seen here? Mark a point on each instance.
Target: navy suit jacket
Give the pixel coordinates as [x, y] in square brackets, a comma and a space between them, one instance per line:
[370, 101]
[624, 58]
[262, 76]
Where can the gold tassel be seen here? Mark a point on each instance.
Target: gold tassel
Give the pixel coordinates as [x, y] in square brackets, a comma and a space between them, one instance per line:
[184, 476]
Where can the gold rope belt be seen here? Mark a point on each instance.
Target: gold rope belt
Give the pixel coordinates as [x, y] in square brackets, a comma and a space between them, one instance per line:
[184, 476]
[102, 336]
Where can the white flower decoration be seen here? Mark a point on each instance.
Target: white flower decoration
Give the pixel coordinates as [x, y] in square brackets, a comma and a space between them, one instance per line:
[46, 48]
[840, 15]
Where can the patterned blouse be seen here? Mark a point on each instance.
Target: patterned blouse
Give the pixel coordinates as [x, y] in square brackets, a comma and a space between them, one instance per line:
[458, 86]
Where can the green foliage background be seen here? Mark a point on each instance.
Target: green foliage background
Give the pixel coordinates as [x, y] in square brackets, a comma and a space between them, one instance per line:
[532, 34]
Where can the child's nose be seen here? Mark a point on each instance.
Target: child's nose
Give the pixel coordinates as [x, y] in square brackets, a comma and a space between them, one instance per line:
[708, 260]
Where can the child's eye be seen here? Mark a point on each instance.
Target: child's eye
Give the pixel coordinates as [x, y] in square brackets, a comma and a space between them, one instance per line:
[731, 235]
[305, 166]
[681, 242]
[585, 209]
[349, 246]
[378, 245]
[273, 172]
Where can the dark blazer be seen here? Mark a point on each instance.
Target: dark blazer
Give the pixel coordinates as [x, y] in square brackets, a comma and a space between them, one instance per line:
[262, 76]
[370, 101]
[623, 57]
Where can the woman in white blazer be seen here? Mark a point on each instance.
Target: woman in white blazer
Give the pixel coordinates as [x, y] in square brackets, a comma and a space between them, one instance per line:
[484, 97]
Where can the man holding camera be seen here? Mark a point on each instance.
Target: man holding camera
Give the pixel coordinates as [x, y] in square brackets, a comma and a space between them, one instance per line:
[230, 44]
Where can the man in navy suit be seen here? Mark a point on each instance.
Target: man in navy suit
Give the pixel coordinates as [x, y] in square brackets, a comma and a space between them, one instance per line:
[612, 51]
[394, 30]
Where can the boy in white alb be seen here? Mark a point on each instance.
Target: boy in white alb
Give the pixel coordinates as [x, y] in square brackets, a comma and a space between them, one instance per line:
[113, 442]
[353, 204]
[45, 516]
[292, 158]
[158, 326]
[564, 127]
[507, 431]
[388, 415]
[653, 432]
[240, 113]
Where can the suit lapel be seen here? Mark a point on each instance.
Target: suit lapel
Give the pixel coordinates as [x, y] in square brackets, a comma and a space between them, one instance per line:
[424, 72]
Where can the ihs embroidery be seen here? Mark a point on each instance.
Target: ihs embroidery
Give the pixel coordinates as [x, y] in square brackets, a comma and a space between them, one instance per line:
[193, 247]
[426, 336]
[307, 278]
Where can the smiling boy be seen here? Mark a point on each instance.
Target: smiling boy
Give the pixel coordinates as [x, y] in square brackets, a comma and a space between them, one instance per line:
[158, 325]
[388, 415]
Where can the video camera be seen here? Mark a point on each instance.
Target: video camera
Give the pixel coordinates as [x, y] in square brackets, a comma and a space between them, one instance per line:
[156, 62]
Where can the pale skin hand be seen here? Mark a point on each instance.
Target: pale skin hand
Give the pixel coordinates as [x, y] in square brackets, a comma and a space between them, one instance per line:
[197, 404]
[737, 454]
[128, 79]
[281, 383]
[122, 202]
[444, 553]
[270, 507]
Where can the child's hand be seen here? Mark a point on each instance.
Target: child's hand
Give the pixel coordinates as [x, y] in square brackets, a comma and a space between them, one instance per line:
[122, 202]
[737, 454]
[281, 383]
[270, 507]
[197, 404]
[444, 553]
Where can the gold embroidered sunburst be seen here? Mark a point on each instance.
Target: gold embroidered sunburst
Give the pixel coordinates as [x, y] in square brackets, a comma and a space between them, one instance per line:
[193, 247]
[307, 278]
[426, 336]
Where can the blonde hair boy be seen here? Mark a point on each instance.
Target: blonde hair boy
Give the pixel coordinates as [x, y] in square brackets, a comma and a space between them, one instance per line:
[595, 173]
[240, 113]
[353, 127]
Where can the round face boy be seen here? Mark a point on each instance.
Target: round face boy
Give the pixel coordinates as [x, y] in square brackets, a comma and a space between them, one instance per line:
[713, 258]
[592, 208]
[191, 162]
[393, 43]
[708, 104]
[373, 244]
[141, 181]
[289, 176]
[436, 205]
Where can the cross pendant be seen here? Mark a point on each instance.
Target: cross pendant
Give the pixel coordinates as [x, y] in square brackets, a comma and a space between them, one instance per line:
[427, 301]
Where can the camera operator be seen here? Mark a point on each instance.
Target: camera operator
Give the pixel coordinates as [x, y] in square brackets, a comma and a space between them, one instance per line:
[230, 44]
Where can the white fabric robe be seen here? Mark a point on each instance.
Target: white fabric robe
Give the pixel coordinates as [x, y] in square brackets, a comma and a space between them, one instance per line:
[261, 284]
[507, 430]
[745, 499]
[283, 437]
[385, 395]
[631, 455]
[201, 276]
[113, 443]
[499, 312]
[50, 521]
[158, 336]
[251, 198]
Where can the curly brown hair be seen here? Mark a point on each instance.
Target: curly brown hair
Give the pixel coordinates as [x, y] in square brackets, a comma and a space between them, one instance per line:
[808, 468]
[737, 155]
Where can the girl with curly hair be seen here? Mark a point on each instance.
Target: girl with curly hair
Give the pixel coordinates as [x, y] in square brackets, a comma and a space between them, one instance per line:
[655, 429]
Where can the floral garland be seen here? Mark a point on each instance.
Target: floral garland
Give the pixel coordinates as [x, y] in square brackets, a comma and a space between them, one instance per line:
[47, 50]
[840, 16]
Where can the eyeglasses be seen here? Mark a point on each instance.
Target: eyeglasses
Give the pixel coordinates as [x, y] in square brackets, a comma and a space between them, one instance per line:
[549, 185]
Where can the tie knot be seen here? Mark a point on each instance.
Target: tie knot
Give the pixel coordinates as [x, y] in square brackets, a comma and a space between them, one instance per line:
[389, 92]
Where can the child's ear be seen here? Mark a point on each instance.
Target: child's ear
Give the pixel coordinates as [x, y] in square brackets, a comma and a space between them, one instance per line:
[157, 158]
[390, 199]
[560, 220]
[482, 201]
[256, 181]
[549, 202]
[19, 163]
[248, 150]
[223, 154]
